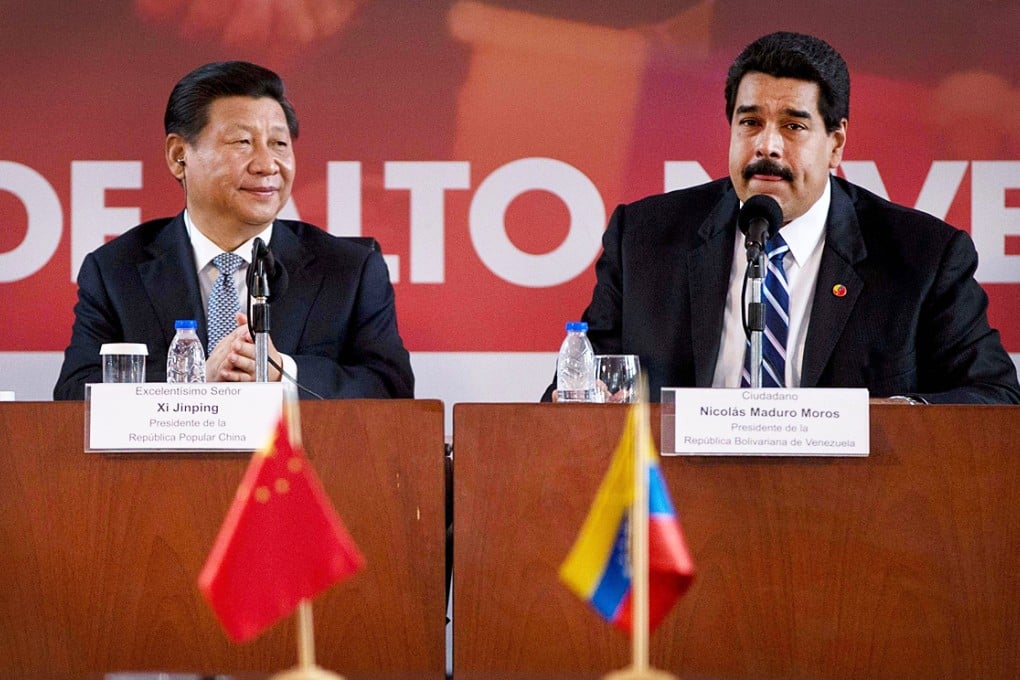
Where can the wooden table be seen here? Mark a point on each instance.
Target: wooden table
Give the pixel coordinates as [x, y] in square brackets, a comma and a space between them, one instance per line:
[904, 564]
[99, 554]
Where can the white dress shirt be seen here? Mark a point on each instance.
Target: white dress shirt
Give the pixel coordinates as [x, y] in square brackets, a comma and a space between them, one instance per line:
[806, 238]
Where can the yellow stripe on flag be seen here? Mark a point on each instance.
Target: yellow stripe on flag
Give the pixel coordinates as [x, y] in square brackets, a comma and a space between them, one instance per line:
[585, 564]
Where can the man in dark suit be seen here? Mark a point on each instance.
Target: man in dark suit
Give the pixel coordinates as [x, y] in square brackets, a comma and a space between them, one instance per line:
[880, 296]
[229, 143]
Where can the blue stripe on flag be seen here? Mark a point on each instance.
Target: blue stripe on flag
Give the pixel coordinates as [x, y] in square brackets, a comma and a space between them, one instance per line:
[658, 498]
[614, 585]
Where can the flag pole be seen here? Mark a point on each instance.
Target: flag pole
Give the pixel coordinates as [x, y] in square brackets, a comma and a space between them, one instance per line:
[639, 668]
[639, 529]
[306, 668]
[306, 636]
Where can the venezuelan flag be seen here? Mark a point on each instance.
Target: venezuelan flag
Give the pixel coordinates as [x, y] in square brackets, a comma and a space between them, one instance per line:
[598, 566]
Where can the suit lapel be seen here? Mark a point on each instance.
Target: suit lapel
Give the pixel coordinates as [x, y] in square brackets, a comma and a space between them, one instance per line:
[172, 262]
[709, 268]
[303, 282]
[844, 249]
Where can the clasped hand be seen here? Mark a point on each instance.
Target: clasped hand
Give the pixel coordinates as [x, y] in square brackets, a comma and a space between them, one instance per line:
[233, 358]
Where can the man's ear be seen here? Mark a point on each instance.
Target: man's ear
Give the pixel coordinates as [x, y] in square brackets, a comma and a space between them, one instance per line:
[838, 138]
[176, 155]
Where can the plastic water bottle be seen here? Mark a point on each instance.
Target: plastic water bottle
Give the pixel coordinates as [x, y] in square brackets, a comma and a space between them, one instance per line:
[185, 361]
[575, 368]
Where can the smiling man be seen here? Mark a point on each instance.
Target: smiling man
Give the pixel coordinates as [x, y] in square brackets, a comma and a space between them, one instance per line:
[874, 294]
[230, 134]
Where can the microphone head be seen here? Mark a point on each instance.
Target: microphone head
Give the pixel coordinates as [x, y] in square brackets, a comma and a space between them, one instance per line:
[258, 250]
[761, 210]
[265, 275]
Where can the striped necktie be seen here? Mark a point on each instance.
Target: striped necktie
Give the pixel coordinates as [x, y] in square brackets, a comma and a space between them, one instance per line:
[776, 292]
[223, 303]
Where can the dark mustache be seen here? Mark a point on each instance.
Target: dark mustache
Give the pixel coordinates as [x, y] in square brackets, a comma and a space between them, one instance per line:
[767, 167]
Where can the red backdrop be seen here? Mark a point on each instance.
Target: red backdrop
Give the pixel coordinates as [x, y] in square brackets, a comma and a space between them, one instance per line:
[483, 144]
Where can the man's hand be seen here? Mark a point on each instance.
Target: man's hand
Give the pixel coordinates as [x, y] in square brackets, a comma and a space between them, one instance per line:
[233, 359]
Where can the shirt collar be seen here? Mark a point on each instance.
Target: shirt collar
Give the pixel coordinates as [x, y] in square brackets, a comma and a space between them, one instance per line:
[205, 250]
[805, 233]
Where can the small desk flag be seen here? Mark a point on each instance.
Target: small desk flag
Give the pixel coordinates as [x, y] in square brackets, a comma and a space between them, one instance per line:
[281, 542]
[598, 568]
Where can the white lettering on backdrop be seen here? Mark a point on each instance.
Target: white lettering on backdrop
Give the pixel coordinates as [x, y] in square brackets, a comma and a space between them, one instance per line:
[92, 222]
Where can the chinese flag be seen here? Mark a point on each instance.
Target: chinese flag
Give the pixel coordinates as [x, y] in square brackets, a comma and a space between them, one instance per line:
[281, 542]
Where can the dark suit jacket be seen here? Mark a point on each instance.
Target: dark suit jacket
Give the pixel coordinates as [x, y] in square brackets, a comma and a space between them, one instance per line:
[336, 317]
[913, 320]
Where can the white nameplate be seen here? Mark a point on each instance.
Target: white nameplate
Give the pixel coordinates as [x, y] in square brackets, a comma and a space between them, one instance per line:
[766, 422]
[181, 416]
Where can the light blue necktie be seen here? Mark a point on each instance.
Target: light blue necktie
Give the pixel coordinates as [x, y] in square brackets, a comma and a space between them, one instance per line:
[776, 292]
[223, 303]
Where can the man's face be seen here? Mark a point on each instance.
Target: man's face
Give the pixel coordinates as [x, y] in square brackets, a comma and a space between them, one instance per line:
[239, 171]
[778, 142]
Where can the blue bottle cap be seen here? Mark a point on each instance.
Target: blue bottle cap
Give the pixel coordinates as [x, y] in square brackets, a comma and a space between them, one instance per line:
[577, 326]
[185, 323]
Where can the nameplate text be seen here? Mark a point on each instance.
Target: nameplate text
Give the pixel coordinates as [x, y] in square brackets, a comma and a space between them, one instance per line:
[766, 422]
[181, 416]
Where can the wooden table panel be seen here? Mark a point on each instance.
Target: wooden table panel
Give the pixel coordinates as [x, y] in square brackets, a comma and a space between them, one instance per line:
[99, 554]
[901, 564]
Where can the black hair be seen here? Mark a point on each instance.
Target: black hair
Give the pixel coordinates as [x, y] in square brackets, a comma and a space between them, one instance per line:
[800, 56]
[187, 110]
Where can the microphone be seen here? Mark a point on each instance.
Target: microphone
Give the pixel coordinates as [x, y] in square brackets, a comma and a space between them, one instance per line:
[267, 281]
[261, 270]
[265, 276]
[258, 270]
[759, 220]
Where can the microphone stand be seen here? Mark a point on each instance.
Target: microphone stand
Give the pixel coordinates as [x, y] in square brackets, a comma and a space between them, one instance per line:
[755, 310]
[759, 218]
[260, 324]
